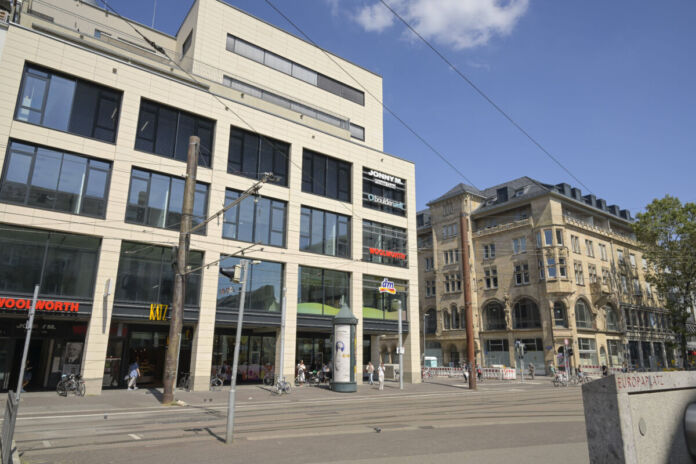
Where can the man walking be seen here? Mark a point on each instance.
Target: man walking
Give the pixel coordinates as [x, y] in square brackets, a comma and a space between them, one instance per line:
[370, 372]
[532, 369]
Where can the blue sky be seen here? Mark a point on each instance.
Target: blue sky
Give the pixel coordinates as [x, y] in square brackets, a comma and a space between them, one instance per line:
[606, 87]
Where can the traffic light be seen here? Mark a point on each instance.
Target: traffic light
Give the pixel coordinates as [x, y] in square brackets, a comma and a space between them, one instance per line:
[233, 273]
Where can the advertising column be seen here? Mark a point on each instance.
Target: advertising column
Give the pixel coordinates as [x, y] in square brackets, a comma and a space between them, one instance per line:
[343, 379]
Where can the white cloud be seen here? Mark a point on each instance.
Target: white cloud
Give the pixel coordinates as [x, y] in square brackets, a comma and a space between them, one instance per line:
[374, 18]
[456, 23]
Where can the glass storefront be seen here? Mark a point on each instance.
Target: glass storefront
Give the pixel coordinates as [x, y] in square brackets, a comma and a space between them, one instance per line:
[256, 356]
[384, 305]
[497, 352]
[314, 349]
[146, 344]
[56, 348]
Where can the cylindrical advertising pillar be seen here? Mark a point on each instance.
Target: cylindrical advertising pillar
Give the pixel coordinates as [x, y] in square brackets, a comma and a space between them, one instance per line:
[343, 378]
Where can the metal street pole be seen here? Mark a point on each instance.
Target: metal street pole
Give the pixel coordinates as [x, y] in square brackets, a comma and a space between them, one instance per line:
[280, 375]
[466, 274]
[424, 316]
[233, 386]
[27, 340]
[171, 362]
[401, 349]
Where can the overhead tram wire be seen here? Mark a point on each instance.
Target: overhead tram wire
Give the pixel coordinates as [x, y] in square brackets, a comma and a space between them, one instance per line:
[485, 96]
[380, 102]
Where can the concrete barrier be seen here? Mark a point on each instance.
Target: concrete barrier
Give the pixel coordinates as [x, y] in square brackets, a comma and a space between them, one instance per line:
[638, 417]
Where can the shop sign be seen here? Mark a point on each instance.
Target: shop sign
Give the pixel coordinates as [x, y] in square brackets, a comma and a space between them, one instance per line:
[41, 305]
[158, 312]
[385, 201]
[385, 180]
[387, 287]
[387, 254]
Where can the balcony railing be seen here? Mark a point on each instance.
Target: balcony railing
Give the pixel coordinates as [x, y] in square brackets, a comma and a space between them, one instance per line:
[600, 230]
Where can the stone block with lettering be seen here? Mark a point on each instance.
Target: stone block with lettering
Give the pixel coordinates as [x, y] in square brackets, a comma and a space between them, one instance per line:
[638, 417]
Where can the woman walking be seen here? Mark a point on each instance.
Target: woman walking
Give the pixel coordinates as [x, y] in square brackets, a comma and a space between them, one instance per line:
[380, 375]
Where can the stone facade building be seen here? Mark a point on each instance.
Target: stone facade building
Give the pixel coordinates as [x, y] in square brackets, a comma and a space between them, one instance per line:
[548, 265]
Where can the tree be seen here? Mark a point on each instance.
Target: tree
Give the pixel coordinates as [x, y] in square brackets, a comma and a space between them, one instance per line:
[667, 232]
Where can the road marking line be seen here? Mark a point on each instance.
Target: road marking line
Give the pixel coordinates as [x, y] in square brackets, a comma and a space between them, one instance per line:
[47, 444]
[134, 436]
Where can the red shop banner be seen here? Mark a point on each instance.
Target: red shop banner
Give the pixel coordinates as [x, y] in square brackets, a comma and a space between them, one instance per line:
[41, 305]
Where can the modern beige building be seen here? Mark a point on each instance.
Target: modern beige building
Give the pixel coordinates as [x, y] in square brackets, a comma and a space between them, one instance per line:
[548, 265]
[94, 130]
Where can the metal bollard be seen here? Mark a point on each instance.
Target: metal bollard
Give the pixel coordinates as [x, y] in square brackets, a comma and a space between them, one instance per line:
[690, 428]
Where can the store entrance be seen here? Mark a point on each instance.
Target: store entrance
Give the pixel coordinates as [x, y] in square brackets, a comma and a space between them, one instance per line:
[314, 349]
[146, 345]
[56, 348]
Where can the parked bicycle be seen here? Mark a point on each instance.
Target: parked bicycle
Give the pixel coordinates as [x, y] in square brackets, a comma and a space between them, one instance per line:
[282, 386]
[268, 379]
[216, 382]
[184, 382]
[426, 373]
[71, 383]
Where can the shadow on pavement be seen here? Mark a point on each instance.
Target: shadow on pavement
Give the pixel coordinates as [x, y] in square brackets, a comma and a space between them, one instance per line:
[156, 393]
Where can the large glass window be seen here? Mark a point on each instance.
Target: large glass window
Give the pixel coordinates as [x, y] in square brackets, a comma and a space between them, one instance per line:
[526, 315]
[68, 104]
[384, 192]
[583, 319]
[264, 286]
[587, 348]
[612, 318]
[252, 155]
[384, 305]
[56, 180]
[157, 200]
[146, 275]
[494, 316]
[385, 244]
[165, 131]
[560, 318]
[255, 219]
[325, 176]
[322, 291]
[64, 265]
[265, 57]
[324, 232]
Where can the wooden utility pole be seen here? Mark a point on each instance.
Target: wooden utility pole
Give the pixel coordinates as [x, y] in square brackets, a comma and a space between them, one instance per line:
[172, 360]
[466, 275]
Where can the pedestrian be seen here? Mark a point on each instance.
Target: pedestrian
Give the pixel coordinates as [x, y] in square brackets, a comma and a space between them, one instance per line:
[479, 373]
[301, 368]
[133, 374]
[624, 367]
[532, 369]
[605, 370]
[370, 372]
[380, 375]
[27, 375]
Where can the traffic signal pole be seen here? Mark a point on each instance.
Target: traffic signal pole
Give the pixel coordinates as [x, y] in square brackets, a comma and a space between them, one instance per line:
[172, 358]
[229, 435]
